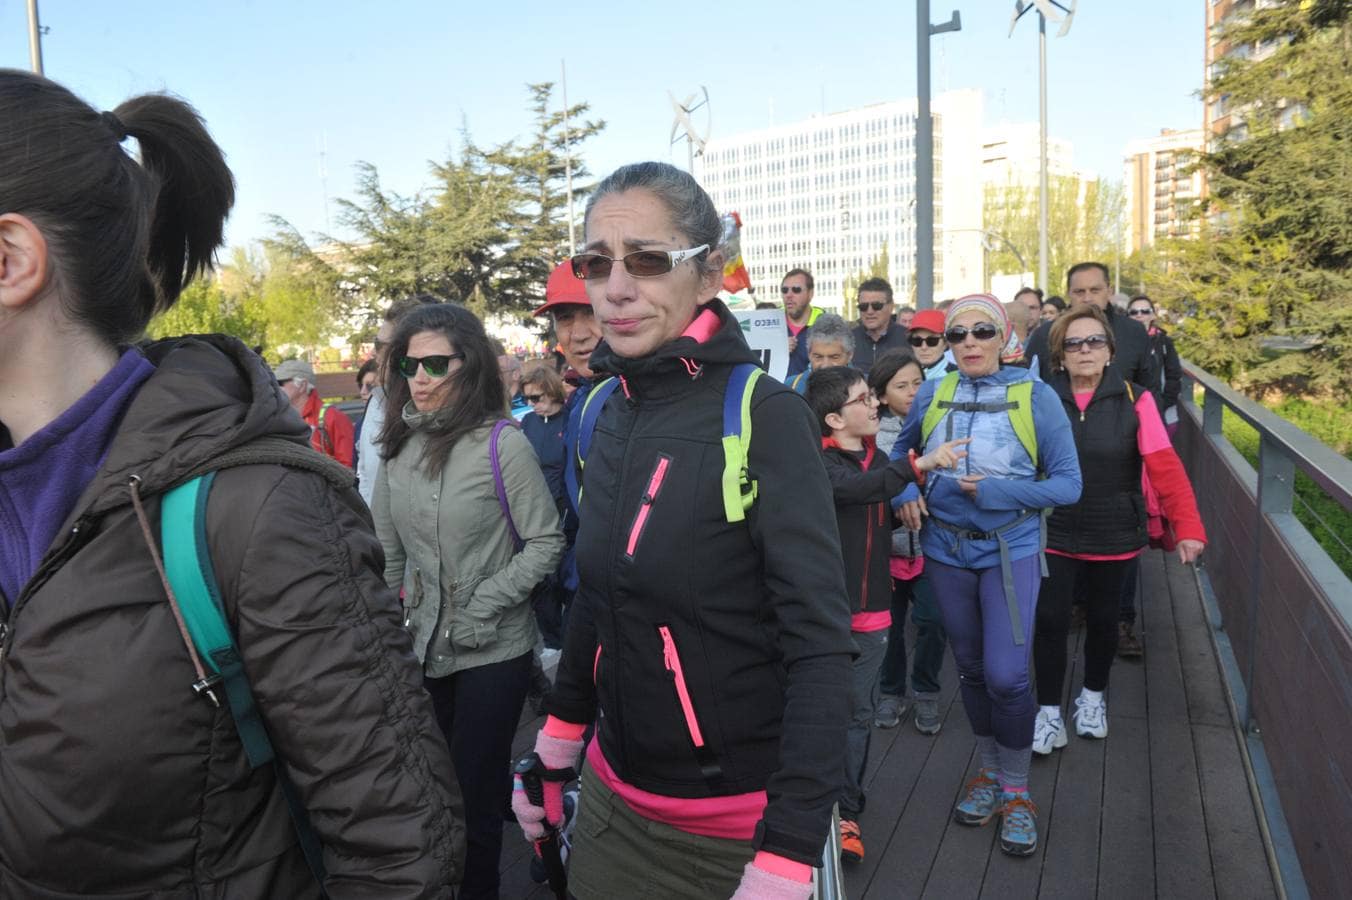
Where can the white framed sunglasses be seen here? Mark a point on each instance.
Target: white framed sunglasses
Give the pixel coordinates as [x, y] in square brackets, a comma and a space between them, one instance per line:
[640, 263]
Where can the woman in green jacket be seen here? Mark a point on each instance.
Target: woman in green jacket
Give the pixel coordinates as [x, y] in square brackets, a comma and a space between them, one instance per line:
[469, 528]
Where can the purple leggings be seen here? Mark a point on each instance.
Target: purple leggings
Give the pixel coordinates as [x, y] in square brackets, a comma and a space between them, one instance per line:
[992, 668]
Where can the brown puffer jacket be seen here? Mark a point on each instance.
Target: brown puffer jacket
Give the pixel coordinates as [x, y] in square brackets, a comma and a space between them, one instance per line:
[116, 780]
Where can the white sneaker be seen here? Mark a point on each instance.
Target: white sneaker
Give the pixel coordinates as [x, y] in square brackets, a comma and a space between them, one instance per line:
[1091, 717]
[1049, 733]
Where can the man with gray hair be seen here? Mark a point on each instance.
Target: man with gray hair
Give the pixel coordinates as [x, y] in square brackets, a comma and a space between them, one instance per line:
[830, 342]
[331, 431]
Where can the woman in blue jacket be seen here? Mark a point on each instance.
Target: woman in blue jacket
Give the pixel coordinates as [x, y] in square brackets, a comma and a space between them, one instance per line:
[982, 543]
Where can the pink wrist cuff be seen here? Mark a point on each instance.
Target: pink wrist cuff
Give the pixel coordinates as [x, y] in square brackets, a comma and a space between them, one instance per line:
[568, 731]
[784, 868]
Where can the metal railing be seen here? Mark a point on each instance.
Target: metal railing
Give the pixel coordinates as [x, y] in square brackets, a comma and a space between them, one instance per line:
[828, 882]
[1283, 450]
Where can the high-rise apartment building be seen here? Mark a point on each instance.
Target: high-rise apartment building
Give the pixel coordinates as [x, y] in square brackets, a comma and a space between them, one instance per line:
[1162, 182]
[829, 193]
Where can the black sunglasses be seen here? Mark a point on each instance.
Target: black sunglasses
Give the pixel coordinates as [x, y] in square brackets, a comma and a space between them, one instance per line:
[916, 340]
[533, 398]
[1093, 342]
[1141, 311]
[876, 306]
[982, 331]
[640, 263]
[794, 288]
[434, 366]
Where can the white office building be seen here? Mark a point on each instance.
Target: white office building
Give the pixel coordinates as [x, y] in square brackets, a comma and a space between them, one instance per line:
[827, 194]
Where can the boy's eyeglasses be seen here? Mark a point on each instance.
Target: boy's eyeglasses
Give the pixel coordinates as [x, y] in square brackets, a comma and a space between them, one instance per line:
[791, 289]
[982, 331]
[875, 306]
[1093, 342]
[434, 366]
[916, 340]
[640, 263]
[867, 399]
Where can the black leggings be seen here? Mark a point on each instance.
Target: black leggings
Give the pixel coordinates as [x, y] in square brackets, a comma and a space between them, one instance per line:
[1100, 584]
[478, 710]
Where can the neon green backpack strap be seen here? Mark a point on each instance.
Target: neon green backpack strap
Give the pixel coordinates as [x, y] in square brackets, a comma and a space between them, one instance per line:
[1020, 396]
[938, 408]
[739, 489]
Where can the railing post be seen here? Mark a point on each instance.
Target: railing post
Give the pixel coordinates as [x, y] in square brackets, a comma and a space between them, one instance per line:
[1276, 493]
[1213, 413]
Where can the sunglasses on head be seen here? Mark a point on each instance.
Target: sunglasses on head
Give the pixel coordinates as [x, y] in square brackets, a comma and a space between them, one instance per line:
[640, 263]
[791, 289]
[982, 331]
[1140, 311]
[916, 340]
[1093, 342]
[434, 366]
[876, 306]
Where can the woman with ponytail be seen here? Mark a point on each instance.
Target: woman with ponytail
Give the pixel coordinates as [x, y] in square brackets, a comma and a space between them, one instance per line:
[122, 776]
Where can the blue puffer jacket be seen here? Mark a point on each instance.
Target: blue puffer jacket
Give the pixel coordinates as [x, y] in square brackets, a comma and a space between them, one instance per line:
[1011, 485]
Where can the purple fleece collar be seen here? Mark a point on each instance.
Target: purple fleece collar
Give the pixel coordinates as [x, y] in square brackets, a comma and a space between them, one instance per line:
[43, 478]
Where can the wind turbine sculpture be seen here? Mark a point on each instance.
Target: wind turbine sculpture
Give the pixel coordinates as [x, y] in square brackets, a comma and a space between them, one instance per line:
[694, 141]
[1047, 10]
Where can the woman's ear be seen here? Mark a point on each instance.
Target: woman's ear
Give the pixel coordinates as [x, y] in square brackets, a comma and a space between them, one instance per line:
[712, 281]
[23, 261]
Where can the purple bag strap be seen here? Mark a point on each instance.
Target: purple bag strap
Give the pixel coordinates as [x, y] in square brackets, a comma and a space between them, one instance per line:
[498, 486]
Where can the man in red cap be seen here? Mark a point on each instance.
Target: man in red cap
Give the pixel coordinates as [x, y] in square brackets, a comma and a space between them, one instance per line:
[575, 327]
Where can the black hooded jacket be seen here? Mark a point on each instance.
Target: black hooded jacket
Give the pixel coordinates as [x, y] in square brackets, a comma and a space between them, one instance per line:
[117, 781]
[751, 616]
[1131, 358]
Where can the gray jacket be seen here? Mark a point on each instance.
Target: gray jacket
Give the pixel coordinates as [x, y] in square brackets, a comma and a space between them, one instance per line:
[466, 589]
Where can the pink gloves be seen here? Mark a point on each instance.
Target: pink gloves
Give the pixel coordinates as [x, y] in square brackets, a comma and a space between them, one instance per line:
[557, 751]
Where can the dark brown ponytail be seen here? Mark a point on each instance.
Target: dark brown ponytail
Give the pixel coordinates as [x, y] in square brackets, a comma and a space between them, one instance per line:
[124, 237]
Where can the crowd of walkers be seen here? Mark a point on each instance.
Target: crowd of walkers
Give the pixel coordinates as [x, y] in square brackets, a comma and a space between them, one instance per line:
[719, 565]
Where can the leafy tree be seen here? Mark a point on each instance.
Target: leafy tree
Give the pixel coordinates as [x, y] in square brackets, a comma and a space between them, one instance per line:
[206, 307]
[1279, 223]
[1083, 222]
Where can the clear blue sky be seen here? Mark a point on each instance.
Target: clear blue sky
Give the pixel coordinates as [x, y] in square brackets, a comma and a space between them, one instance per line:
[394, 82]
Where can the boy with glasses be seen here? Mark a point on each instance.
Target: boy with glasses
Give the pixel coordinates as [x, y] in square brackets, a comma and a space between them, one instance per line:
[863, 482]
[876, 332]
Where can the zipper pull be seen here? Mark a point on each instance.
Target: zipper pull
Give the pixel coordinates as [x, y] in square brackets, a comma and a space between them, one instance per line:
[4, 635]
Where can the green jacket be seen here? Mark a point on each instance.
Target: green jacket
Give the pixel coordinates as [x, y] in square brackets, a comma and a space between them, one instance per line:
[466, 589]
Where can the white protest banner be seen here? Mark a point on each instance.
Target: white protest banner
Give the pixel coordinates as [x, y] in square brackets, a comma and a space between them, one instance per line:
[768, 338]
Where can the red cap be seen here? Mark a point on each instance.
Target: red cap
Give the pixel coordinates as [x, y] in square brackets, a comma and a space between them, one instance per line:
[928, 319]
[563, 289]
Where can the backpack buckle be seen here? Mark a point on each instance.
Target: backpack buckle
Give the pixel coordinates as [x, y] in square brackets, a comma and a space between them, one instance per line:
[206, 687]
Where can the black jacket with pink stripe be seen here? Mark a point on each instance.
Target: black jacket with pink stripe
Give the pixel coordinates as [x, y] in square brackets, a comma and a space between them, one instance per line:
[713, 650]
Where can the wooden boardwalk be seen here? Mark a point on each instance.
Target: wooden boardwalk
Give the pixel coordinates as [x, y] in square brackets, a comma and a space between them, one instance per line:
[1159, 809]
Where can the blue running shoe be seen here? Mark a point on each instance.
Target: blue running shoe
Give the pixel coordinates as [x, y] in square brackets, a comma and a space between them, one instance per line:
[1018, 824]
[982, 800]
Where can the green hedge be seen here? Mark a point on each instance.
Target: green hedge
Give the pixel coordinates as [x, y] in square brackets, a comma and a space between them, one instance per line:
[1332, 424]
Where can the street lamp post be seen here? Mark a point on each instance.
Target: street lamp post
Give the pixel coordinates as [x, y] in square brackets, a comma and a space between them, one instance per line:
[1046, 9]
[34, 37]
[924, 154]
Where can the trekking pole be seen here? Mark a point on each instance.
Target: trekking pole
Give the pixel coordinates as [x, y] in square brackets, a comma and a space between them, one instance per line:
[533, 774]
[829, 880]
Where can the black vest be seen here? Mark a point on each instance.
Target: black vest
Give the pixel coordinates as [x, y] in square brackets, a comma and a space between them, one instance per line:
[1110, 516]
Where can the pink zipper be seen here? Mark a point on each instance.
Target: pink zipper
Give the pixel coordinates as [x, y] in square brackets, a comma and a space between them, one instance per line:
[596, 663]
[673, 663]
[645, 506]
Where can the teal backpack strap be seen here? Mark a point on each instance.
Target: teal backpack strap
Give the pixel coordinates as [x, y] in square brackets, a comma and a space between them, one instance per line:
[739, 489]
[187, 565]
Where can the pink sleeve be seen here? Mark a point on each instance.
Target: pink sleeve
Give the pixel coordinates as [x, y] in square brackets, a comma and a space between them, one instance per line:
[568, 731]
[784, 868]
[1152, 436]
